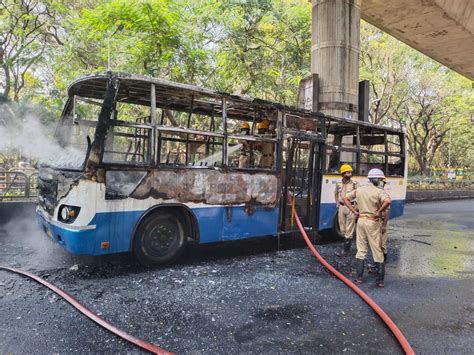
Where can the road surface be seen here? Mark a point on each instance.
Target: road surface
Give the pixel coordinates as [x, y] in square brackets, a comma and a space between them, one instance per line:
[247, 297]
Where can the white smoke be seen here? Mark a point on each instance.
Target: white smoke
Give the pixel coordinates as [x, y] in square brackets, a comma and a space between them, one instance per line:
[25, 133]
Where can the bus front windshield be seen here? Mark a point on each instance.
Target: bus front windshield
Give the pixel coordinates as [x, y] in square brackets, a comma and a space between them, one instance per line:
[75, 133]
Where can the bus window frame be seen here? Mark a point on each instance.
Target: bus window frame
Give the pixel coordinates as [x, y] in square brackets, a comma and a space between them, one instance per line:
[119, 123]
[156, 138]
[357, 132]
[160, 94]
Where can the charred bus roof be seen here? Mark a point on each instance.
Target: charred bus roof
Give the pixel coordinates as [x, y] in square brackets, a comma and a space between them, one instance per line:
[184, 97]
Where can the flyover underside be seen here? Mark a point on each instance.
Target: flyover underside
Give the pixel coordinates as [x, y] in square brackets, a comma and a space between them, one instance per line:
[440, 29]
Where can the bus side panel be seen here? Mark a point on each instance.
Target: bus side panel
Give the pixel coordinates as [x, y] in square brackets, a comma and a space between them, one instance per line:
[115, 228]
[209, 220]
[326, 215]
[239, 225]
[396, 208]
[233, 223]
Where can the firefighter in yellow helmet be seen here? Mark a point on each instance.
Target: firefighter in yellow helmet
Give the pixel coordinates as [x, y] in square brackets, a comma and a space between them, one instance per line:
[246, 150]
[265, 148]
[262, 127]
[346, 219]
[245, 128]
[270, 127]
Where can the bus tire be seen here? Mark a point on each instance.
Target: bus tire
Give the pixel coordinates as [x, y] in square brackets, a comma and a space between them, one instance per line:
[336, 230]
[160, 238]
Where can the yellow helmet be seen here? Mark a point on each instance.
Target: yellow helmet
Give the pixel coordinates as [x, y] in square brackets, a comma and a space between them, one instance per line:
[345, 168]
[262, 125]
[244, 125]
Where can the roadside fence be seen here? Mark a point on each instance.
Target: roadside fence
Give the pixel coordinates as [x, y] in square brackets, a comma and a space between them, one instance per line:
[18, 186]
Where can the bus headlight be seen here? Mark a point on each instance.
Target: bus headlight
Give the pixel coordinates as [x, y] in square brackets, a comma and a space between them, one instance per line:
[64, 213]
[68, 214]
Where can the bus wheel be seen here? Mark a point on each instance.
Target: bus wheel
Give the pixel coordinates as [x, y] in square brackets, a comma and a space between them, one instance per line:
[159, 239]
[336, 230]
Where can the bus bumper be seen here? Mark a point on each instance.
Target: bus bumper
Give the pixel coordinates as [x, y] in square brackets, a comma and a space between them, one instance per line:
[76, 240]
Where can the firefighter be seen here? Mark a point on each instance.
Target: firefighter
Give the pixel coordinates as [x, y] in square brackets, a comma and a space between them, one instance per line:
[372, 202]
[246, 150]
[373, 268]
[385, 218]
[268, 126]
[265, 148]
[346, 219]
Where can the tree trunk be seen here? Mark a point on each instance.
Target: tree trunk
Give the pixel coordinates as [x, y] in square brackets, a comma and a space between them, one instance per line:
[6, 70]
[424, 167]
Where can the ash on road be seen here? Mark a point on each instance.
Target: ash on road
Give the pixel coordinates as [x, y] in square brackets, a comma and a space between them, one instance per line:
[247, 297]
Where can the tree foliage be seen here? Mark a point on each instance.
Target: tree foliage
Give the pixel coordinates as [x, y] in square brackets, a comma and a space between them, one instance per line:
[26, 28]
[258, 48]
[419, 95]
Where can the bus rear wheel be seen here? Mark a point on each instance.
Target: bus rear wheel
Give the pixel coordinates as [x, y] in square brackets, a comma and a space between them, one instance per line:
[336, 229]
[159, 239]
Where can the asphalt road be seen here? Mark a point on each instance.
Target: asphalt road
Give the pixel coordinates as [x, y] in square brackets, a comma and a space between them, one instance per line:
[247, 297]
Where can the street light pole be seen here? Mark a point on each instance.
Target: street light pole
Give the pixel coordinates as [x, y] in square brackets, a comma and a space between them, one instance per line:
[119, 28]
[449, 150]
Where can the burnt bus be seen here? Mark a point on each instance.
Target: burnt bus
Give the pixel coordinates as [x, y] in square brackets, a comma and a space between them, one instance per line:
[152, 164]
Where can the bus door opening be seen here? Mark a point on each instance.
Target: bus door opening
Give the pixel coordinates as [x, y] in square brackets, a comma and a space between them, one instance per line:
[302, 180]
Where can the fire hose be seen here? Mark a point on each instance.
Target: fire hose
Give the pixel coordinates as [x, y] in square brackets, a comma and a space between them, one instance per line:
[385, 318]
[93, 316]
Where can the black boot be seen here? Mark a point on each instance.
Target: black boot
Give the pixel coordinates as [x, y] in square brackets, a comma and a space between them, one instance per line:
[381, 275]
[360, 270]
[346, 248]
[373, 268]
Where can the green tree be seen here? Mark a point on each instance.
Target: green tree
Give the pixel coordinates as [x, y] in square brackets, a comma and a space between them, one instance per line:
[385, 63]
[158, 39]
[26, 27]
[264, 48]
[260, 48]
[414, 92]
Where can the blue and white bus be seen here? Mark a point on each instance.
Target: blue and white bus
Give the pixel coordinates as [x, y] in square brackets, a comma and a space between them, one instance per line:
[152, 164]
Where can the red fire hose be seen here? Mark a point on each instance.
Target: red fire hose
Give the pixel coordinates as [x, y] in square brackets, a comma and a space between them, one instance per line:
[87, 312]
[390, 324]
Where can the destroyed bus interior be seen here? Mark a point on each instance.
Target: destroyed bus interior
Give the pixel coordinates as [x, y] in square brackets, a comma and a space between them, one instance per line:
[224, 165]
[364, 146]
[178, 125]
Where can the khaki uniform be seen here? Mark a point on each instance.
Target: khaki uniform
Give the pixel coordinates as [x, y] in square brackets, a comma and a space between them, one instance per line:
[265, 159]
[346, 219]
[245, 152]
[243, 161]
[385, 241]
[385, 235]
[267, 155]
[369, 199]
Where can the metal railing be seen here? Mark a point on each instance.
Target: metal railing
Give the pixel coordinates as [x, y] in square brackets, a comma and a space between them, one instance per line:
[439, 184]
[18, 186]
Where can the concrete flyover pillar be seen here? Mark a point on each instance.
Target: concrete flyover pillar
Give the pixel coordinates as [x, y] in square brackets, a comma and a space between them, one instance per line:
[335, 55]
